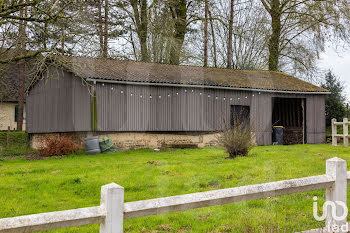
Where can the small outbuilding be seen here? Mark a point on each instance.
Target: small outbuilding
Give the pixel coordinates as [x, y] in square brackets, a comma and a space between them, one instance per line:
[142, 104]
[9, 86]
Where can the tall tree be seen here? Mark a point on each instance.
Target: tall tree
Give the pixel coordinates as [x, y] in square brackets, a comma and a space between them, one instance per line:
[206, 18]
[103, 26]
[213, 38]
[100, 26]
[106, 32]
[299, 29]
[12, 17]
[140, 15]
[335, 107]
[21, 67]
[178, 9]
[230, 34]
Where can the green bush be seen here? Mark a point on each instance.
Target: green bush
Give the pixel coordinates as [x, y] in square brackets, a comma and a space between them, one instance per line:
[17, 139]
[16, 151]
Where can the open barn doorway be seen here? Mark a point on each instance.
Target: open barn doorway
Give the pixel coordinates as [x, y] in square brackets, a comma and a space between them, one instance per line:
[290, 113]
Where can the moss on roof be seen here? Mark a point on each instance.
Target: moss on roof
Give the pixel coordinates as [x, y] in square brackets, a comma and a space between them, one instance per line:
[131, 71]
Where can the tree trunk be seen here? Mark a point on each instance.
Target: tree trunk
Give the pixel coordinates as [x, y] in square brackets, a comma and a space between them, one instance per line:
[44, 37]
[144, 31]
[105, 39]
[213, 38]
[179, 14]
[275, 35]
[21, 69]
[205, 58]
[230, 31]
[141, 21]
[62, 40]
[100, 26]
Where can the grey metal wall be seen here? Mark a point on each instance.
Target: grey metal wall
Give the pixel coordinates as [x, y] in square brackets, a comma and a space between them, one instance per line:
[64, 105]
[59, 103]
[151, 108]
[168, 109]
[315, 119]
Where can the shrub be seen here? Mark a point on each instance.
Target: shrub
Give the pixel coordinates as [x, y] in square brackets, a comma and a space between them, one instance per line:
[17, 138]
[53, 146]
[237, 139]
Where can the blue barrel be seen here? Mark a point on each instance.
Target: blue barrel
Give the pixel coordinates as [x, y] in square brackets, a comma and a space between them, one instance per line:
[277, 135]
[92, 146]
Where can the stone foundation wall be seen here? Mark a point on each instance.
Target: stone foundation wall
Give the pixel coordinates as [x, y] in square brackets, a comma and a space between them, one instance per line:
[132, 140]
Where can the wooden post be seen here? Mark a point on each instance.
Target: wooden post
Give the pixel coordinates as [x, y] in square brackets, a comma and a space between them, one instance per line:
[8, 136]
[345, 132]
[112, 199]
[334, 132]
[336, 168]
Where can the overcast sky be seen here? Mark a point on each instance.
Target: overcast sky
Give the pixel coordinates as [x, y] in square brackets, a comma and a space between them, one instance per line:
[339, 62]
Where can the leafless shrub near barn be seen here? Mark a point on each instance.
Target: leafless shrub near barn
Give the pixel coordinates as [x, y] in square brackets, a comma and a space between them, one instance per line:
[57, 146]
[237, 137]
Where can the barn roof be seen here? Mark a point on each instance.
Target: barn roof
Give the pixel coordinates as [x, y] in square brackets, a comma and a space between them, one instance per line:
[9, 81]
[101, 69]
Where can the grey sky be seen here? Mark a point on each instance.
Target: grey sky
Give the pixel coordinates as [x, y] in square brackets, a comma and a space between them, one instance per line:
[339, 62]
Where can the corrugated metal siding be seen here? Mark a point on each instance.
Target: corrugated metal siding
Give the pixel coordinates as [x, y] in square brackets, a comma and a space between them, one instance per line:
[81, 106]
[58, 104]
[315, 119]
[152, 108]
[261, 114]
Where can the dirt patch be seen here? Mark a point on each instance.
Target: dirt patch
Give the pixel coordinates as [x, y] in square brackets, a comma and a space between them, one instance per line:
[223, 228]
[56, 172]
[203, 217]
[166, 172]
[166, 228]
[185, 229]
[33, 156]
[152, 162]
[231, 176]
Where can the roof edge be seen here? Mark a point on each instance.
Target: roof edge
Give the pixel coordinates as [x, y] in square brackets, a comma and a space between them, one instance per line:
[205, 86]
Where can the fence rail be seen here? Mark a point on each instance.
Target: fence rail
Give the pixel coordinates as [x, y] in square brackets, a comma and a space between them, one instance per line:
[113, 210]
[345, 134]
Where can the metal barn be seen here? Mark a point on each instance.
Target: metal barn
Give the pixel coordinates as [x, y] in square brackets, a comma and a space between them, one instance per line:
[86, 96]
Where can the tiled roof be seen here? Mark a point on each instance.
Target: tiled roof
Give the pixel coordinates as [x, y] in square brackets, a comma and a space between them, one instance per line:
[131, 71]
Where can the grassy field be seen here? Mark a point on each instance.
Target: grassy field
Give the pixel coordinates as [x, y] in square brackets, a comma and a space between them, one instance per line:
[28, 187]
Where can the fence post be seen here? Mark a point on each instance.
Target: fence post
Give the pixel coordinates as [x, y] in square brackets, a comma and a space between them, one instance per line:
[345, 132]
[8, 136]
[112, 199]
[334, 132]
[336, 168]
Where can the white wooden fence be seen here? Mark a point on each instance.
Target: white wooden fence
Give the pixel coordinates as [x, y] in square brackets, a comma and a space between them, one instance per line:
[345, 134]
[113, 210]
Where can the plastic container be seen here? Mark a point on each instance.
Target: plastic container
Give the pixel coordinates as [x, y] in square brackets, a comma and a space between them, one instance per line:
[277, 135]
[106, 145]
[92, 145]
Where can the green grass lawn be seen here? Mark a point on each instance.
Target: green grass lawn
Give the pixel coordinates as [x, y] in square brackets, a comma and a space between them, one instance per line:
[28, 187]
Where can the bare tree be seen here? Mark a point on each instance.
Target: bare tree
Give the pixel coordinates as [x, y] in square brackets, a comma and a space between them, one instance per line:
[295, 23]
[213, 38]
[230, 32]
[21, 67]
[140, 18]
[178, 9]
[206, 18]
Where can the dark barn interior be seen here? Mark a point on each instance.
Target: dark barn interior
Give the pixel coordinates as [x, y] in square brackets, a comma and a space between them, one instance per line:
[290, 113]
